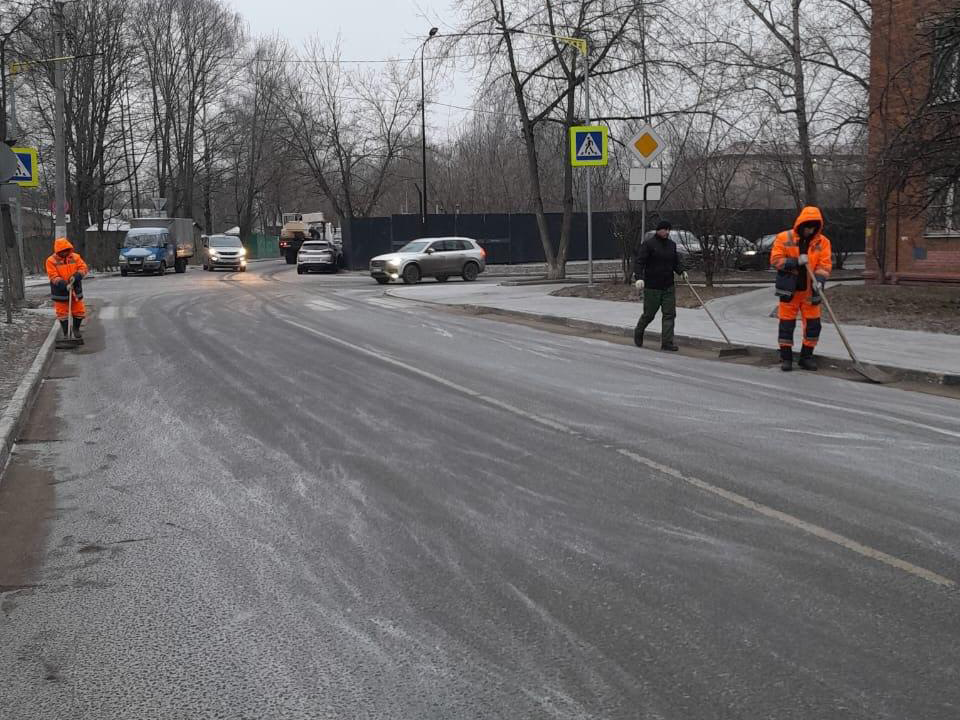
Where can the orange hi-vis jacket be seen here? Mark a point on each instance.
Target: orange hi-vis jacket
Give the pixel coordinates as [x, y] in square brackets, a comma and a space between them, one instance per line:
[787, 248]
[61, 270]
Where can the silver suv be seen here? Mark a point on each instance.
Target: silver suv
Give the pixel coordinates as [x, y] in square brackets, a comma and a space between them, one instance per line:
[440, 258]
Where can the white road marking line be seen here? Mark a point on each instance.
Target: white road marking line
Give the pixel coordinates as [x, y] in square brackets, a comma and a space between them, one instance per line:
[793, 521]
[439, 330]
[735, 498]
[325, 305]
[108, 313]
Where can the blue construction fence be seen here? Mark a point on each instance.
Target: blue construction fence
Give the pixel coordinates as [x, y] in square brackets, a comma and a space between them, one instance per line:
[513, 238]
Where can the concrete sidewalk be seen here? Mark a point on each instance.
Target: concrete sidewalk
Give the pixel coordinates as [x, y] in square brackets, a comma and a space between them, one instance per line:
[745, 318]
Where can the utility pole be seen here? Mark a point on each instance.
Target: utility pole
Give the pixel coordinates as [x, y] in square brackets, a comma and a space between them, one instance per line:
[59, 144]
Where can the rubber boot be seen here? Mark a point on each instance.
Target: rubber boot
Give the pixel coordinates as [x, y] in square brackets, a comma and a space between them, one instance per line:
[63, 325]
[786, 359]
[76, 328]
[638, 335]
[807, 360]
[670, 347]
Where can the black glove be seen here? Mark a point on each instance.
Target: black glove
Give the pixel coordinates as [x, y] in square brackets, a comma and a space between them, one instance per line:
[59, 281]
[77, 276]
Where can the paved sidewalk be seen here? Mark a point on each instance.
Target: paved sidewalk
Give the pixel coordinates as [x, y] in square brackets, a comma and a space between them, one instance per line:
[745, 318]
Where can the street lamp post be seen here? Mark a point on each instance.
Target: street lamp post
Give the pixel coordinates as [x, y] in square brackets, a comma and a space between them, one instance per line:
[424, 209]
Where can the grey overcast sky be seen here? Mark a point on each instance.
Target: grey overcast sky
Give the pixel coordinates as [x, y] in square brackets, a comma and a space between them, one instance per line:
[369, 30]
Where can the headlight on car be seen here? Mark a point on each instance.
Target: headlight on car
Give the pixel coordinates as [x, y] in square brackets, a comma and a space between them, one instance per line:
[151, 256]
[393, 263]
[750, 253]
[123, 260]
[243, 251]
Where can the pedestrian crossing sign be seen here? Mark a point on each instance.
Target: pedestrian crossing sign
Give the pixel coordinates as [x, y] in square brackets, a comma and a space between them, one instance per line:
[26, 167]
[588, 146]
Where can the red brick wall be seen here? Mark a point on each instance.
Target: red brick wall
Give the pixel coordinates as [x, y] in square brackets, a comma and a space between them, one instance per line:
[899, 81]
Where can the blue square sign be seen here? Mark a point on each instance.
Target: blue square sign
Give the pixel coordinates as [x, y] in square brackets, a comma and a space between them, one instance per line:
[588, 146]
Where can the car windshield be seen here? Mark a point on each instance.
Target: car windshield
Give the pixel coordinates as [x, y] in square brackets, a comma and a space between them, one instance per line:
[224, 241]
[142, 240]
[414, 247]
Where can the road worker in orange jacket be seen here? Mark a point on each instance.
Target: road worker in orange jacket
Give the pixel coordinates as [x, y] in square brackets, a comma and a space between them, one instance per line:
[805, 246]
[66, 270]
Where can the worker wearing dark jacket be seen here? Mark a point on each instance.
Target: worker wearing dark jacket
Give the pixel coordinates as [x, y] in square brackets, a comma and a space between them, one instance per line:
[656, 263]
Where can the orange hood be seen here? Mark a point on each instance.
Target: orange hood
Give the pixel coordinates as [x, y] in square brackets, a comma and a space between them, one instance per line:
[809, 214]
[61, 244]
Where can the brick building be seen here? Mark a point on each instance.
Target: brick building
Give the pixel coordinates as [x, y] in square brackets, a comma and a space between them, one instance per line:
[913, 191]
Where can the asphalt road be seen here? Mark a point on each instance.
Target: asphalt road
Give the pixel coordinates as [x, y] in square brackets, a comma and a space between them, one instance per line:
[262, 495]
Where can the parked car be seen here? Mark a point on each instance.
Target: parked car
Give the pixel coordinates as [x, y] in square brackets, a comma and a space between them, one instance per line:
[148, 250]
[757, 255]
[440, 258]
[316, 255]
[225, 251]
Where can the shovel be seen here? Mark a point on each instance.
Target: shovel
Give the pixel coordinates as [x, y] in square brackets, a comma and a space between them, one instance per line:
[69, 342]
[870, 373]
[731, 350]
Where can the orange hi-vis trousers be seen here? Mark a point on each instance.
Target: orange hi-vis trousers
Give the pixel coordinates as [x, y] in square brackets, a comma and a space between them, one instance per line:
[799, 304]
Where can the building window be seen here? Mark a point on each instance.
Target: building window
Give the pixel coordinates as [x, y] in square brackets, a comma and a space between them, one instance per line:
[943, 214]
[946, 63]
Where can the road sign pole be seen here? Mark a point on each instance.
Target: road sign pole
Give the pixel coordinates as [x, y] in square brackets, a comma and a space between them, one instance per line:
[586, 82]
[59, 145]
[643, 220]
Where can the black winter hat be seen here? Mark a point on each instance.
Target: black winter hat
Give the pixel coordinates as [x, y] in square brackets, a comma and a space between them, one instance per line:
[664, 225]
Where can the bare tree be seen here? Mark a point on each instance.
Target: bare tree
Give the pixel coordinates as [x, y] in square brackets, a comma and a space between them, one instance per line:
[255, 116]
[350, 128]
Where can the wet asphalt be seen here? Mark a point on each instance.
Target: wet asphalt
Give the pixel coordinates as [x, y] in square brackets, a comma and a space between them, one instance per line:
[262, 495]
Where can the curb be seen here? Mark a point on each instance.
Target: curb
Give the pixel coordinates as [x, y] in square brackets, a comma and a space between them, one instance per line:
[758, 351]
[13, 418]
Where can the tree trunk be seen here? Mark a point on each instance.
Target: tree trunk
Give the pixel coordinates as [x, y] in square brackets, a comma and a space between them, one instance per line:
[14, 269]
[566, 223]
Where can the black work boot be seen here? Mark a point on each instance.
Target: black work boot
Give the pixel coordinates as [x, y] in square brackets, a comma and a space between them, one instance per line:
[638, 335]
[807, 360]
[786, 359]
[670, 347]
[63, 325]
[76, 328]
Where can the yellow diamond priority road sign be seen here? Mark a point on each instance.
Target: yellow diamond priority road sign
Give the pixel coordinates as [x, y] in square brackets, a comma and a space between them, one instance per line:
[647, 145]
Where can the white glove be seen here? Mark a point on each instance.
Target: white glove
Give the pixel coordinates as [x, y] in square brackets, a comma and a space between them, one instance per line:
[803, 260]
[638, 284]
[684, 275]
